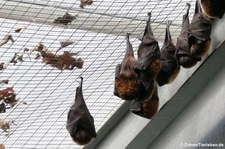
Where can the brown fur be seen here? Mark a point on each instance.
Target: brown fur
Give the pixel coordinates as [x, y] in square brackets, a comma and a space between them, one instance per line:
[212, 11]
[127, 88]
[155, 68]
[2, 146]
[173, 75]
[82, 137]
[200, 50]
[150, 106]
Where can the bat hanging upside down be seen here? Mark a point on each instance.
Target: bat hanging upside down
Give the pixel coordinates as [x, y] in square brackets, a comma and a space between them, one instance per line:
[183, 53]
[127, 84]
[148, 63]
[80, 123]
[170, 67]
[199, 33]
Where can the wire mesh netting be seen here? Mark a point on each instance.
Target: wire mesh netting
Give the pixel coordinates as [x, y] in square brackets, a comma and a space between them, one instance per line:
[98, 35]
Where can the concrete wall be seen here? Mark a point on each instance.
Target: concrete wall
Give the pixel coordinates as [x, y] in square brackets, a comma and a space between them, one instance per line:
[203, 120]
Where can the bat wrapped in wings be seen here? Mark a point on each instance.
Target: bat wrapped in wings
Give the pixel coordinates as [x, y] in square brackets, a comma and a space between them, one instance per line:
[148, 107]
[183, 54]
[213, 8]
[80, 123]
[169, 65]
[199, 33]
[148, 63]
[127, 84]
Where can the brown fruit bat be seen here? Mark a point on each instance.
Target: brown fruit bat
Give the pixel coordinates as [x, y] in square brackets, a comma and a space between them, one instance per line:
[80, 123]
[148, 107]
[127, 84]
[183, 54]
[85, 2]
[199, 33]
[213, 8]
[148, 64]
[169, 65]
[65, 19]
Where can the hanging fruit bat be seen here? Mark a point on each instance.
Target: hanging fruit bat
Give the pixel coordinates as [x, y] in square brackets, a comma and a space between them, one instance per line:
[85, 2]
[65, 19]
[199, 33]
[169, 65]
[183, 54]
[127, 84]
[6, 39]
[80, 123]
[148, 64]
[213, 8]
[148, 107]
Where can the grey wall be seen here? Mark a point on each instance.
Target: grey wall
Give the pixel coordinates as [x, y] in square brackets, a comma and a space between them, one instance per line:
[203, 120]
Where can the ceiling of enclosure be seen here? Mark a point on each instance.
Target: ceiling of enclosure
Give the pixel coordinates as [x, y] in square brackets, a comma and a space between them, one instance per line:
[98, 35]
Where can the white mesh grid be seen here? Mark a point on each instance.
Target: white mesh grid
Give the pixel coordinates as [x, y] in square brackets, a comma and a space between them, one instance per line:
[98, 33]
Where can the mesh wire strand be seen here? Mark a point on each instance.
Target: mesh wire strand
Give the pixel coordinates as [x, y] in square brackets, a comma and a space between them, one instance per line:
[98, 33]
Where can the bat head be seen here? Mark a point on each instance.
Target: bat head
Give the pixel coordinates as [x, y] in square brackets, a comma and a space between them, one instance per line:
[82, 137]
[213, 8]
[148, 107]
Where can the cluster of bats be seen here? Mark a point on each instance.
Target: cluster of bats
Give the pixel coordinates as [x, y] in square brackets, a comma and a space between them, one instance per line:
[136, 80]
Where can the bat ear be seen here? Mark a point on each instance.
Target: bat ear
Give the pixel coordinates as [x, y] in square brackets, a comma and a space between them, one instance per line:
[148, 34]
[129, 50]
[168, 38]
[79, 95]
